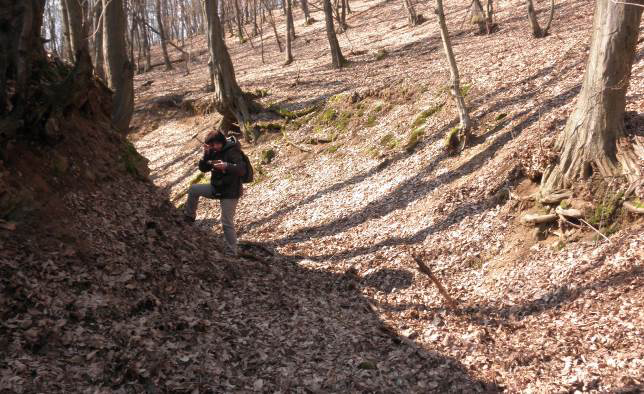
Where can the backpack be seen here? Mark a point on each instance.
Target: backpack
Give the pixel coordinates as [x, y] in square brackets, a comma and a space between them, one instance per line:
[248, 176]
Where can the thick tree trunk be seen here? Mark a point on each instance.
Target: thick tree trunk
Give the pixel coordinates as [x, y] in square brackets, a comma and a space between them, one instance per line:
[162, 34]
[118, 70]
[537, 31]
[455, 87]
[228, 97]
[20, 47]
[412, 17]
[337, 59]
[75, 25]
[589, 142]
[305, 10]
[289, 34]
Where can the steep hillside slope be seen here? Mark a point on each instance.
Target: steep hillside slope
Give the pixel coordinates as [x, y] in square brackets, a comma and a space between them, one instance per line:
[363, 179]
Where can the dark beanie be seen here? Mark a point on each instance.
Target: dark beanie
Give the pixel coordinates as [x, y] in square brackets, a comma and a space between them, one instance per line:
[216, 136]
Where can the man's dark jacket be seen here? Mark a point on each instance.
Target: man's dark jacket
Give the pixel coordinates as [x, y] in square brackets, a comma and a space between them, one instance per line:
[226, 184]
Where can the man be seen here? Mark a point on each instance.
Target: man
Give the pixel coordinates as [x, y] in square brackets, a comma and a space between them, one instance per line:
[223, 158]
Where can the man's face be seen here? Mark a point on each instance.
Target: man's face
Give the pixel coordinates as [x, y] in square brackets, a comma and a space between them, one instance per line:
[214, 147]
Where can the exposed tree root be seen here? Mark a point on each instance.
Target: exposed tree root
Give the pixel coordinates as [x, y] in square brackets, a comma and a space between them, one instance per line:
[535, 218]
[632, 208]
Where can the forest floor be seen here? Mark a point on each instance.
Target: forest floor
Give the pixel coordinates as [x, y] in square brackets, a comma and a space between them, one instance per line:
[111, 292]
[536, 314]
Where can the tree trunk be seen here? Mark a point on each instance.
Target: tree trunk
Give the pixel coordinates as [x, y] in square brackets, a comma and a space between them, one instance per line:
[52, 31]
[238, 19]
[20, 46]
[119, 70]
[99, 66]
[589, 142]
[455, 87]
[273, 25]
[228, 97]
[67, 45]
[305, 10]
[337, 59]
[289, 34]
[412, 17]
[75, 23]
[537, 31]
[162, 34]
[478, 17]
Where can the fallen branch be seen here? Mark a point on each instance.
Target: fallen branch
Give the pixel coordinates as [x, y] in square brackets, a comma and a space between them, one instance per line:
[422, 267]
[632, 208]
[594, 229]
[536, 218]
[159, 34]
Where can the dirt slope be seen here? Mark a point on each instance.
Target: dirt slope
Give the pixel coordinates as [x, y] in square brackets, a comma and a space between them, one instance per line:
[537, 315]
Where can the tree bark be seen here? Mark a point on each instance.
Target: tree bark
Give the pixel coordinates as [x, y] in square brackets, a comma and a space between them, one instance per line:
[67, 45]
[228, 97]
[455, 88]
[289, 34]
[305, 10]
[337, 59]
[75, 25]
[273, 25]
[238, 19]
[119, 70]
[99, 65]
[20, 46]
[478, 17]
[589, 142]
[537, 31]
[162, 34]
[412, 17]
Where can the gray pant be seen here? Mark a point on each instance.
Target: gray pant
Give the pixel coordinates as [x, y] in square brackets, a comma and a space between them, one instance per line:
[228, 207]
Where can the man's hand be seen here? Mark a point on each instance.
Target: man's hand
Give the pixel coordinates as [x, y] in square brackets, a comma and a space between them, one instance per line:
[219, 165]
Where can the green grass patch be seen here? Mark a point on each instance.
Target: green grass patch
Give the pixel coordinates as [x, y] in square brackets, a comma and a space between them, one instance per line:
[328, 115]
[451, 138]
[422, 117]
[389, 141]
[465, 89]
[332, 148]
[267, 156]
[414, 139]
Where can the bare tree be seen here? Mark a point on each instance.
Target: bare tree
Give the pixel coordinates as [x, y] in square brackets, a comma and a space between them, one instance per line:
[589, 142]
[537, 31]
[162, 34]
[289, 32]
[228, 97]
[118, 70]
[305, 9]
[337, 59]
[271, 20]
[455, 88]
[412, 17]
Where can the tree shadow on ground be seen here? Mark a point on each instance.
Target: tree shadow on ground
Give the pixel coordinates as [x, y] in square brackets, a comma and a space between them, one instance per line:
[384, 205]
[301, 328]
[417, 187]
[494, 315]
